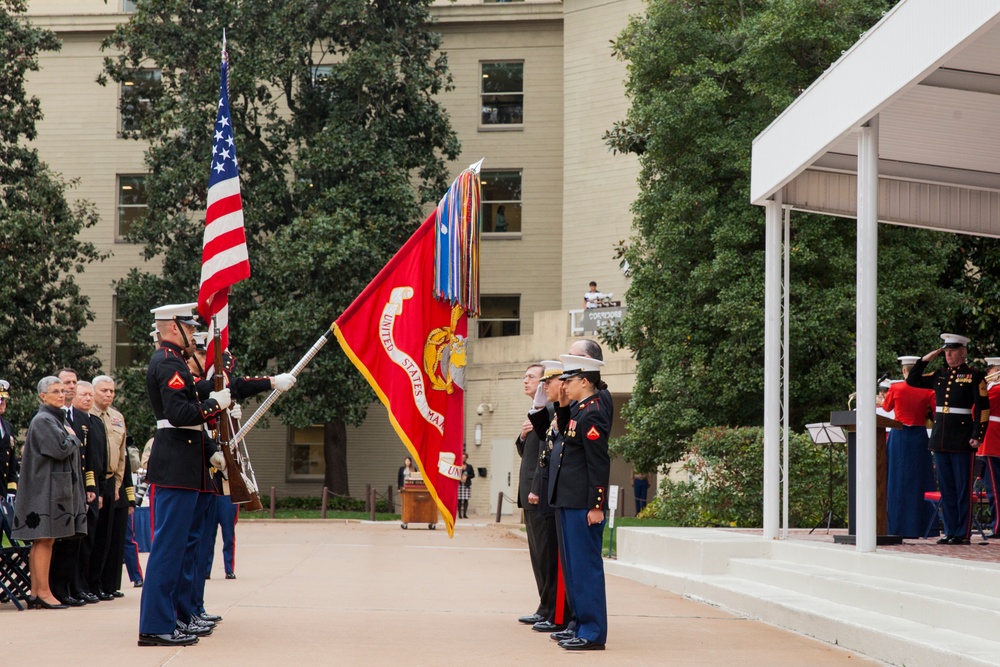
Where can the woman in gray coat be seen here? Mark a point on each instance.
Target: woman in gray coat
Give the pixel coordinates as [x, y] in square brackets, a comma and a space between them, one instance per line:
[50, 499]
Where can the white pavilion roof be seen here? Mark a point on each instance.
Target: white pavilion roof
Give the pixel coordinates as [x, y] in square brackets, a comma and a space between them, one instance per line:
[930, 70]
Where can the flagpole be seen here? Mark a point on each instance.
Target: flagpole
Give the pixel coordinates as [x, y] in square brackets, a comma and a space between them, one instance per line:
[273, 396]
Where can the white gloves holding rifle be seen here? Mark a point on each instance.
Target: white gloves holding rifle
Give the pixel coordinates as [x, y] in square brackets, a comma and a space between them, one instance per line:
[222, 397]
[235, 411]
[284, 382]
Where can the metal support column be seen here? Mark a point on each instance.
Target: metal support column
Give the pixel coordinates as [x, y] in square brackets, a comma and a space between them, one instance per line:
[772, 365]
[867, 281]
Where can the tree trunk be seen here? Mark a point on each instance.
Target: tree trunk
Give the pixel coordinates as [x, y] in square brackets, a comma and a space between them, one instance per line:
[335, 457]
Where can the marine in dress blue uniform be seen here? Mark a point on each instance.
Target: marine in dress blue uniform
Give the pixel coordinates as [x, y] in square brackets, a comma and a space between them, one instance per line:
[579, 480]
[179, 472]
[962, 413]
[10, 466]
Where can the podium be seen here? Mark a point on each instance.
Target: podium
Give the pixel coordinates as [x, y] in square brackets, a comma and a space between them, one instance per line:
[848, 420]
[418, 506]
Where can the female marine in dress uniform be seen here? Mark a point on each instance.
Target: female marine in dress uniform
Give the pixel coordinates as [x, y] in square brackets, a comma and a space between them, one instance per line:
[911, 469]
[990, 450]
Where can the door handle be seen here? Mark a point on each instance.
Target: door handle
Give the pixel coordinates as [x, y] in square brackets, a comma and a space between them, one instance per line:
[508, 479]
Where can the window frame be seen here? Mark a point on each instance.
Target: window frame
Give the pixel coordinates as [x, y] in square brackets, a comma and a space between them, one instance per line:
[514, 234]
[290, 474]
[117, 326]
[480, 321]
[499, 127]
[157, 74]
[119, 236]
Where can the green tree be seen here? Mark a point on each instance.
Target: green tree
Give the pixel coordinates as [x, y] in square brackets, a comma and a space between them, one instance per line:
[44, 310]
[704, 80]
[340, 143]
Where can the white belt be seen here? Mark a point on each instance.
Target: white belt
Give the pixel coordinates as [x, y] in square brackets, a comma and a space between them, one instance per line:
[995, 419]
[958, 411]
[165, 423]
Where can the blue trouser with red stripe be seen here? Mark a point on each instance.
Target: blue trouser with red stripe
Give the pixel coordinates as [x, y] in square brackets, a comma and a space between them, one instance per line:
[585, 574]
[954, 474]
[173, 516]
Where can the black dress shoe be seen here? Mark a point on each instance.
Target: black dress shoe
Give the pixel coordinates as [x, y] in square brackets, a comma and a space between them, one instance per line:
[73, 602]
[39, 603]
[89, 598]
[117, 594]
[581, 644]
[546, 626]
[205, 616]
[175, 639]
[230, 575]
[562, 635]
[194, 629]
[959, 540]
[531, 620]
[137, 584]
[104, 597]
[944, 540]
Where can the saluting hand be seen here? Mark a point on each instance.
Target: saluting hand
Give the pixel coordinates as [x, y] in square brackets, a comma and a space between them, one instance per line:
[930, 356]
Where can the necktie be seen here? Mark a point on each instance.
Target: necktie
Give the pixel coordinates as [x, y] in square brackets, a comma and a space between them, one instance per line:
[69, 414]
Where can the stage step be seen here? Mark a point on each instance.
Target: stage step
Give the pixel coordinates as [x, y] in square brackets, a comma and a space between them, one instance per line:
[902, 609]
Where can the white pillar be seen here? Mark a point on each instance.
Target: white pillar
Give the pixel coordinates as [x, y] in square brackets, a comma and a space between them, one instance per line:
[867, 372]
[772, 365]
[786, 354]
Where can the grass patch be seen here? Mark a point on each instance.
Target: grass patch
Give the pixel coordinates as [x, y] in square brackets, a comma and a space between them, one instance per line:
[316, 514]
[628, 522]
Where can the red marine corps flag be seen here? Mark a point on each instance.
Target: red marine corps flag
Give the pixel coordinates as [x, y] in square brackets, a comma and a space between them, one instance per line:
[407, 334]
[224, 260]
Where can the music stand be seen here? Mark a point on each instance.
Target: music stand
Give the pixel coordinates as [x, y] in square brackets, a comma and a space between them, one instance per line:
[825, 433]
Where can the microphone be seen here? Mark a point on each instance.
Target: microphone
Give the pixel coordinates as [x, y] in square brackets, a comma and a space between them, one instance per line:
[885, 376]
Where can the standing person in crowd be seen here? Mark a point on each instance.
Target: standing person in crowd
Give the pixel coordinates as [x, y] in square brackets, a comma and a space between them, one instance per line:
[114, 509]
[911, 469]
[990, 451]
[10, 466]
[94, 547]
[527, 443]
[545, 427]
[404, 473]
[131, 548]
[640, 489]
[67, 576]
[962, 413]
[178, 470]
[581, 486]
[51, 504]
[465, 487]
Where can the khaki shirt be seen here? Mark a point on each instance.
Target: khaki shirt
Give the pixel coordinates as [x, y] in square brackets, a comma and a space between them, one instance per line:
[114, 425]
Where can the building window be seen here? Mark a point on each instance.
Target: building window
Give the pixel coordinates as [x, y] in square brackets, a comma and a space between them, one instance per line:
[501, 204]
[126, 352]
[136, 95]
[502, 93]
[131, 203]
[305, 454]
[499, 316]
[128, 6]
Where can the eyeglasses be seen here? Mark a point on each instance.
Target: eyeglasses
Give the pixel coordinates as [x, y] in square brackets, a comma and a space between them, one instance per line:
[56, 391]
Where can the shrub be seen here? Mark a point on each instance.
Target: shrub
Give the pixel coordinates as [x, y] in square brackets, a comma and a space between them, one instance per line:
[726, 469]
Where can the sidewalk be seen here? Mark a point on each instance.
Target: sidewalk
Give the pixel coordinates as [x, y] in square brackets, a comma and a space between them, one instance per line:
[322, 593]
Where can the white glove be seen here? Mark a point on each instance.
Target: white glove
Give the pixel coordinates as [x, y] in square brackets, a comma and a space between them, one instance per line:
[218, 461]
[222, 397]
[540, 400]
[284, 382]
[235, 411]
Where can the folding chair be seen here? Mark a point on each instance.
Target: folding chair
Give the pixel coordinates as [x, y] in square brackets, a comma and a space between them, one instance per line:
[15, 581]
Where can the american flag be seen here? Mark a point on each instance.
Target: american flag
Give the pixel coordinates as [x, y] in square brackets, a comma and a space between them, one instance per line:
[224, 259]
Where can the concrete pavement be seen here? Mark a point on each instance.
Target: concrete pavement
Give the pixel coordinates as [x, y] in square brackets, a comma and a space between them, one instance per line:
[337, 593]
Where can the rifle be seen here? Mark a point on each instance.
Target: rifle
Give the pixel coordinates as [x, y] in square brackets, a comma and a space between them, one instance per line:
[242, 490]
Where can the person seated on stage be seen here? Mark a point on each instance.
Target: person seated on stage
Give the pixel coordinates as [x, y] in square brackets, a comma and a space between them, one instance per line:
[911, 470]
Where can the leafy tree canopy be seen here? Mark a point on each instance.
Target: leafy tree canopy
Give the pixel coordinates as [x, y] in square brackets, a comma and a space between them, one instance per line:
[340, 142]
[44, 310]
[704, 79]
